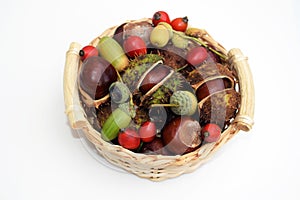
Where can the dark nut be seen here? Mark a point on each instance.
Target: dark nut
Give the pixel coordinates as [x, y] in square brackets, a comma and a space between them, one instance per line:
[182, 135]
[154, 77]
[96, 76]
[154, 148]
[212, 86]
[118, 34]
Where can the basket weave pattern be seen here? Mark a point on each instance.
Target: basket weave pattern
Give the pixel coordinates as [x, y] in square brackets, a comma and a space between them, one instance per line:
[158, 167]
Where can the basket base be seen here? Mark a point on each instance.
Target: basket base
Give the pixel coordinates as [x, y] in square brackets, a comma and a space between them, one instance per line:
[91, 149]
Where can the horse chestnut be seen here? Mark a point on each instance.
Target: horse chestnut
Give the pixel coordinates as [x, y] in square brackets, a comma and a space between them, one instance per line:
[211, 87]
[182, 135]
[118, 34]
[154, 148]
[96, 76]
[154, 77]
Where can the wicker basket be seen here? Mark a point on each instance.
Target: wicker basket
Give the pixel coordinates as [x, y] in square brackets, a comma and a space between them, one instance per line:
[158, 167]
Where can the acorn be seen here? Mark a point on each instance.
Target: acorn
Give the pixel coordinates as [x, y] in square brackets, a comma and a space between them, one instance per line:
[179, 40]
[160, 36]
[119, 92]
[111, 51]
[117, 120]
[183, 103]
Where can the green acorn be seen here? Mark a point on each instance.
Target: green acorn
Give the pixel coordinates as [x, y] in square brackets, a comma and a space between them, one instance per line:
[119, 92]
[117, 120]
[179, 40]
[185, 103]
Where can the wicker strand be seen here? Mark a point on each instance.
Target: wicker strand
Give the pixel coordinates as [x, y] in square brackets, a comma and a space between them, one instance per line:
[238, 61]
[73, 108]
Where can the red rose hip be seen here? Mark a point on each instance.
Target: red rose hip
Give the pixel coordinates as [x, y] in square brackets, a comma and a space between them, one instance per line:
[196, 56]
[88, 51]
[147, 131]
[180, 24]
[211, 133]
[160, 16]
[134, 46]
[129, 139]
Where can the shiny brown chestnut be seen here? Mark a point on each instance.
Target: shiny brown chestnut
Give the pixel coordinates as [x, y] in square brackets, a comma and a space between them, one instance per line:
[182, 135]
[155, 147]
[139, 28]
[154, 77]
[212, 86]
[118, 34]
[96, 75]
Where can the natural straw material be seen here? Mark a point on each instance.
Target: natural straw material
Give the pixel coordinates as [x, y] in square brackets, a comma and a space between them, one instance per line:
[158, 167]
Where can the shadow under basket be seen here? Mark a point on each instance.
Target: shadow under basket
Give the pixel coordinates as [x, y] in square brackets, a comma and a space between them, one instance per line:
[158, 167]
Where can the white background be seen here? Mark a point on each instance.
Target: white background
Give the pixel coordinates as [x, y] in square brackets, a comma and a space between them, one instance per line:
[41, 158]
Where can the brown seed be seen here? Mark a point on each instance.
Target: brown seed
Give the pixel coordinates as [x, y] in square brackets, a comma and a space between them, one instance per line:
[182, 135]
[118, 34]
[154, 77]
[212, 86]
[96, 75]
[155, 147]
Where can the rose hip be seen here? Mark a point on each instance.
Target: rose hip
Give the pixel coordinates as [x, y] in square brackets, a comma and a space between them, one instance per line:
[129, 139]
[134, 46]
[211, 133]
[147, 131]
[88, 51]
[196, 56]
[160, 16]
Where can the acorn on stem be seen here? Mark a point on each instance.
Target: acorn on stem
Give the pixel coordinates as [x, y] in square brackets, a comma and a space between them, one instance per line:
[119, 92]
[185, 103]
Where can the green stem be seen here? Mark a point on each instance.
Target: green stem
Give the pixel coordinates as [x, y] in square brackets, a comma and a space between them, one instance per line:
[140, 147]
[164, 105]
[181, 68]
[119, 76]
[224, 57]
[206, 134]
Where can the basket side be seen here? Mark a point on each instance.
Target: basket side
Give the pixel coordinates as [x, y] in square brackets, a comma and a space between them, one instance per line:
[73, 108]
[239, 63]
